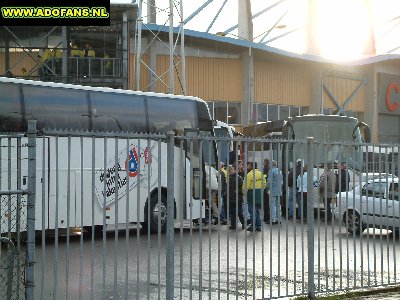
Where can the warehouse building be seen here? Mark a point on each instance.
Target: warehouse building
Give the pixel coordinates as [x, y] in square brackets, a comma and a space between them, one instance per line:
[243, 82]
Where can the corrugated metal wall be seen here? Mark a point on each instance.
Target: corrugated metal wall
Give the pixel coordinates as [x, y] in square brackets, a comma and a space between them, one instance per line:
[207, 78]
[220, 79]
[278, 83]
[19, 60]
[341, 89]
[144, 73]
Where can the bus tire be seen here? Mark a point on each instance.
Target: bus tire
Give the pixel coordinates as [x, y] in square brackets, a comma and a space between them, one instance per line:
[155, 211]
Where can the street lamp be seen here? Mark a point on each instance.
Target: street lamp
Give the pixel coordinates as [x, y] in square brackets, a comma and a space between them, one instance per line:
[250, 76]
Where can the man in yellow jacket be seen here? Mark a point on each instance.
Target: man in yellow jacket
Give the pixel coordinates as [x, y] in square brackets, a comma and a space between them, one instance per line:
[254, 186]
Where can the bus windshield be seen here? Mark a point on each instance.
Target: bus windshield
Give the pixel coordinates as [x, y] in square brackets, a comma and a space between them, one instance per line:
[333, 130]
[327, 131]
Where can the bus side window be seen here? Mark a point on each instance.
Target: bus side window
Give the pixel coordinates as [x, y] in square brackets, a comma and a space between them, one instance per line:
[11, 118]
[55, 108]
[113, 112]
[171, 114]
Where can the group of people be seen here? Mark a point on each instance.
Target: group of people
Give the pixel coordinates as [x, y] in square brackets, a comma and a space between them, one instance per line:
[78, 61]
[255, 196]
[50, 63]
[329, 185]
[256, 188]
[79, 64]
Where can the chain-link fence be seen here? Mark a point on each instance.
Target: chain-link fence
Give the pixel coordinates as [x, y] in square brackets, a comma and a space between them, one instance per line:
[17, 160]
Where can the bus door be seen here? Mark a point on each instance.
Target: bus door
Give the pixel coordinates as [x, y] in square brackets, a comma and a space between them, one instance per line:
[195, 176]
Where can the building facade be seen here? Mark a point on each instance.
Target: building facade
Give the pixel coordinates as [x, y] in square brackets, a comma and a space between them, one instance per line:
[241, 81]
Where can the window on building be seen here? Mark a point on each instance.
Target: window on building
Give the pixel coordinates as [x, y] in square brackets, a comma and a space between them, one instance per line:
[295, 111]
[261, 112]
[220, 111]
[304, 110]
[234, 113]
[273, 112]
[228, 112]
[283, 112]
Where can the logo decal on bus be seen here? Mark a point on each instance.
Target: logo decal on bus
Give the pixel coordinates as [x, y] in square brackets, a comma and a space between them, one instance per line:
[131, 163]
[131, 168]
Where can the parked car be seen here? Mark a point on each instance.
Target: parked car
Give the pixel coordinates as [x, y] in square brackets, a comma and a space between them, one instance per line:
[373, 204]
[371, 176]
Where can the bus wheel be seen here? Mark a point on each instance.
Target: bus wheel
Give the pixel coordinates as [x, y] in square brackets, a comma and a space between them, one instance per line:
[354, 223]
[157, 211]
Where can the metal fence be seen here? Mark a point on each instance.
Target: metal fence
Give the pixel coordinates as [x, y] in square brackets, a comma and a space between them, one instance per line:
[17, 240]
[94, 240]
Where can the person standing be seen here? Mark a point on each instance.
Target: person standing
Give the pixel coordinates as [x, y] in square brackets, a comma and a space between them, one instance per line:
[266, 169]
[254, 186]
[223, 177]
[289, 181]
[89, 54]
[343, 179]
[301, 184]
[46, 68]
[293, 191]
[240, 169]
[235, 196]
[240, 172]
[327, 185]
[274, 184]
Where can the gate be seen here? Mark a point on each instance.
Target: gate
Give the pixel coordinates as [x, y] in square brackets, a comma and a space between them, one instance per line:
[17, 240]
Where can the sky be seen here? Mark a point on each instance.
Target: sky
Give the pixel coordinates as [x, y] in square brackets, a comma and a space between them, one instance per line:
[342, 29]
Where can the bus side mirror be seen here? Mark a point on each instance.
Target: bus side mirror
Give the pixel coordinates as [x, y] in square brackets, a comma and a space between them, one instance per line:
[365, 129]
[285, 130]
[367, 134]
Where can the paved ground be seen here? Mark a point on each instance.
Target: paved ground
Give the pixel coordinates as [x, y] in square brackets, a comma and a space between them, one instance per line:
[382, 296]
[391, 293]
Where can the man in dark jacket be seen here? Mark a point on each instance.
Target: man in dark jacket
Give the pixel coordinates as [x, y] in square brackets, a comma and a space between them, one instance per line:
[235, 197]
[266, 169]
[293, 192]
[343, 179]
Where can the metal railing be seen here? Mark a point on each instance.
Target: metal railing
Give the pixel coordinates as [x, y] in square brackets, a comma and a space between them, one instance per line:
[82, 67]
[96, 239]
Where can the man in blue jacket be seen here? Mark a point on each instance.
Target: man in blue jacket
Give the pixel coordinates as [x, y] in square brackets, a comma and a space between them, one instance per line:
[274, 185]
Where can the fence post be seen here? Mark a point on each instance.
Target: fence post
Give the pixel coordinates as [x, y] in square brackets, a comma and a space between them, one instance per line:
[170, 217]
[31, 199]
[310, 217]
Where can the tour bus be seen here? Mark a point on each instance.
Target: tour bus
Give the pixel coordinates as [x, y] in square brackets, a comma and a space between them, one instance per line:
[82, 180]
[337, 139]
